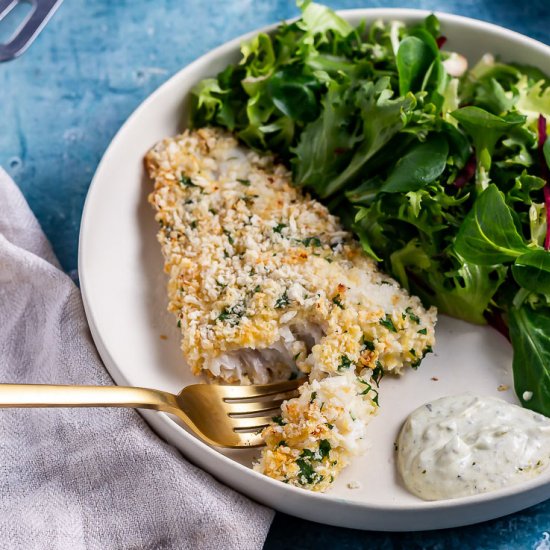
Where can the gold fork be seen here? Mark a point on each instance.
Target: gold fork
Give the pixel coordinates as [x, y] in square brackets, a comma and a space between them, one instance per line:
[223, 416]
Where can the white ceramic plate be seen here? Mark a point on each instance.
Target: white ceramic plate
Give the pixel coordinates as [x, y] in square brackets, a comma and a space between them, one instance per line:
[124, 294]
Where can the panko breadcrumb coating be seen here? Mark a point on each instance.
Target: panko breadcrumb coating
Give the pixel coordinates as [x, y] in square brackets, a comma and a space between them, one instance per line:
[320, 431]
[265, 283]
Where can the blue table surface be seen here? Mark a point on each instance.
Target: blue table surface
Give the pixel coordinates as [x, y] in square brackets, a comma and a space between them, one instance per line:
[64, 99]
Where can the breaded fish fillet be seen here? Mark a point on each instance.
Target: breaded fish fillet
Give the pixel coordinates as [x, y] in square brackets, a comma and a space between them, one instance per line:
[265, 283]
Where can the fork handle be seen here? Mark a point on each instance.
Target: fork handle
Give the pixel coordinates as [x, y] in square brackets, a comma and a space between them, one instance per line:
[49, 395]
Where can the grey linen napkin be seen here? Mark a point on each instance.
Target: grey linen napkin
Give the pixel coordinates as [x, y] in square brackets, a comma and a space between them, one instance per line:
[88, 478]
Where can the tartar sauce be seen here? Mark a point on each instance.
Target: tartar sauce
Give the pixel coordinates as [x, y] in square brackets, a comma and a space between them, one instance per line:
[464, 445]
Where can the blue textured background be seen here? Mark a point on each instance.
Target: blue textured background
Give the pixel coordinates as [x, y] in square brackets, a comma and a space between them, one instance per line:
[65, 98]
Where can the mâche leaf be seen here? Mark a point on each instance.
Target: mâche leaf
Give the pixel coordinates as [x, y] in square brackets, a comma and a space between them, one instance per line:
[488, 235]
[529, 330]
[421, 165]
[414, 58]
[532, 271]
[485, 129]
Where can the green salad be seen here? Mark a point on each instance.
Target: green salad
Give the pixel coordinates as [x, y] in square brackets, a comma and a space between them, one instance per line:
[441, 172]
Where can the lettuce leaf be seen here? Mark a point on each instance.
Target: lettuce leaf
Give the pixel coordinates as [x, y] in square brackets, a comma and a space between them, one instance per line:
[534, 99]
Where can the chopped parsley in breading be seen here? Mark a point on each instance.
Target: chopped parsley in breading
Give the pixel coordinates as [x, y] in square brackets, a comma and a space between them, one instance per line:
[278, 420]
[345, 363]
[378, 373]
[412, 316]
[311, 241]
[232, 314]
[367, 344]
[368, 389]
[388, 323]
[324, 448]
[308, 475]
[185, 181]
[229, 237]
[283, 301]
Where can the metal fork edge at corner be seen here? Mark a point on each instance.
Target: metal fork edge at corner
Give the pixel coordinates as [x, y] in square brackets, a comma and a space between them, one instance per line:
[42, 11]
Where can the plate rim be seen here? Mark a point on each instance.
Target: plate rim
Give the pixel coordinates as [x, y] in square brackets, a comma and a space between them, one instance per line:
[167, 428]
